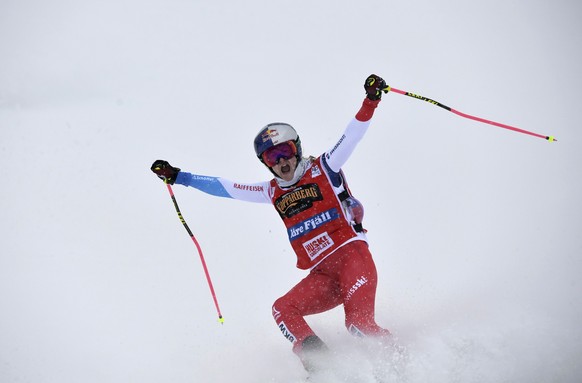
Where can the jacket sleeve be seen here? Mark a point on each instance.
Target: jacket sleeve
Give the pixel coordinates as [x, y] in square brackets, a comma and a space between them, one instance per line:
[337, 156]
[221, 187]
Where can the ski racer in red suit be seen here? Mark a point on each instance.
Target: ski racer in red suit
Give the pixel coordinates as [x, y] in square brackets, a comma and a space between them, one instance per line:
[323, 222]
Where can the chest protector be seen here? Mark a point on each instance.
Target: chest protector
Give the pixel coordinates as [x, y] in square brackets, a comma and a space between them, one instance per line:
[313, 215]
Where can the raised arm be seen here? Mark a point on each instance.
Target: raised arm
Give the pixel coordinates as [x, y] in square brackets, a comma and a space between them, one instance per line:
[337, 156]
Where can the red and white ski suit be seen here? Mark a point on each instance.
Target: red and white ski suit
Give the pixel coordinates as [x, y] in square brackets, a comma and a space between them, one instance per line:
[322, 234]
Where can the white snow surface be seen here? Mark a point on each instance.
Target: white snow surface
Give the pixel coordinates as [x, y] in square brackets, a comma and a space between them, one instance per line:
[476, 230]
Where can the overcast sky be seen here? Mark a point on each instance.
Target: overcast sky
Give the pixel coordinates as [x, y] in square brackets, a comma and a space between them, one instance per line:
[476, 230]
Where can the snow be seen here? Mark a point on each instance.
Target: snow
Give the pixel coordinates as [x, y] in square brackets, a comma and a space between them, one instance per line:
[475, 229]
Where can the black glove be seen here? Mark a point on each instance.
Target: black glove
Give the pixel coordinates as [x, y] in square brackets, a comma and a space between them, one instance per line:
[374, 87]
[165, 171]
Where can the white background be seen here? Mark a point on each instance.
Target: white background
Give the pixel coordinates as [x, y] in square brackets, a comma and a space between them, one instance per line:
[476, 230]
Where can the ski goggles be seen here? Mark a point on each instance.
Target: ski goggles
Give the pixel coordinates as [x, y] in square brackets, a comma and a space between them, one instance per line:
[285, 150]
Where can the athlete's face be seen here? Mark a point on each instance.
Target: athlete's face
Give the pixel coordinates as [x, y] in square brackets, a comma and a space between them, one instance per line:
[285, 168]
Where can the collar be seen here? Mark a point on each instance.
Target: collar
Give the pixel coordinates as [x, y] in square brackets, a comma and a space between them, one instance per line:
[300, 170]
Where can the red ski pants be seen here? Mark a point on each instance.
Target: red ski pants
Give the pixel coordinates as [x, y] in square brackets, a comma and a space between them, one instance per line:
[347, 277]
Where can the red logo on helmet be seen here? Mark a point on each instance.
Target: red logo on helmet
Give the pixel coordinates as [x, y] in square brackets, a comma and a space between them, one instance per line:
[269, 134]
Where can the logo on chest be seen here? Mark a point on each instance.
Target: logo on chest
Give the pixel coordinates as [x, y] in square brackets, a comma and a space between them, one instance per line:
[315, 171]
[298, 200]
[312, 223]
[317, 245]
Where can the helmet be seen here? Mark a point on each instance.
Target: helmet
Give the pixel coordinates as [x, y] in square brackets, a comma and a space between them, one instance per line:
[275, 134]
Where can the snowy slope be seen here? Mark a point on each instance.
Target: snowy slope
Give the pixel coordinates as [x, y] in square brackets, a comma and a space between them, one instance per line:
[475, 230]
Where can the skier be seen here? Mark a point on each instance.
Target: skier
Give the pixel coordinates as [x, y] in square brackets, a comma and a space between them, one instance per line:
[324, 225]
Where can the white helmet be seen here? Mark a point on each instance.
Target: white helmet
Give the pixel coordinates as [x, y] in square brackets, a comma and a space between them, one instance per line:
[275, 134]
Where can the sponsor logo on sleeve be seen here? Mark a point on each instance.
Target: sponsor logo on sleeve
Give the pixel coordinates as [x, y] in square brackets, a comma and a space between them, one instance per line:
[254, 188]
[328, 155]
[203, 178]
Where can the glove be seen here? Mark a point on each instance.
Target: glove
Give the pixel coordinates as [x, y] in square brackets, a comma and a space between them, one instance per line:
[165, 171]
[374, 87]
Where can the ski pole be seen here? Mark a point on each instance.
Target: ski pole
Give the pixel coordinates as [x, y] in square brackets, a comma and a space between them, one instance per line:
[220, 318]
[479, 119]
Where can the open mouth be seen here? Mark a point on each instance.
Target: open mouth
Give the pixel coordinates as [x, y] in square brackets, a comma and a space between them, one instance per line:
[285, 169]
